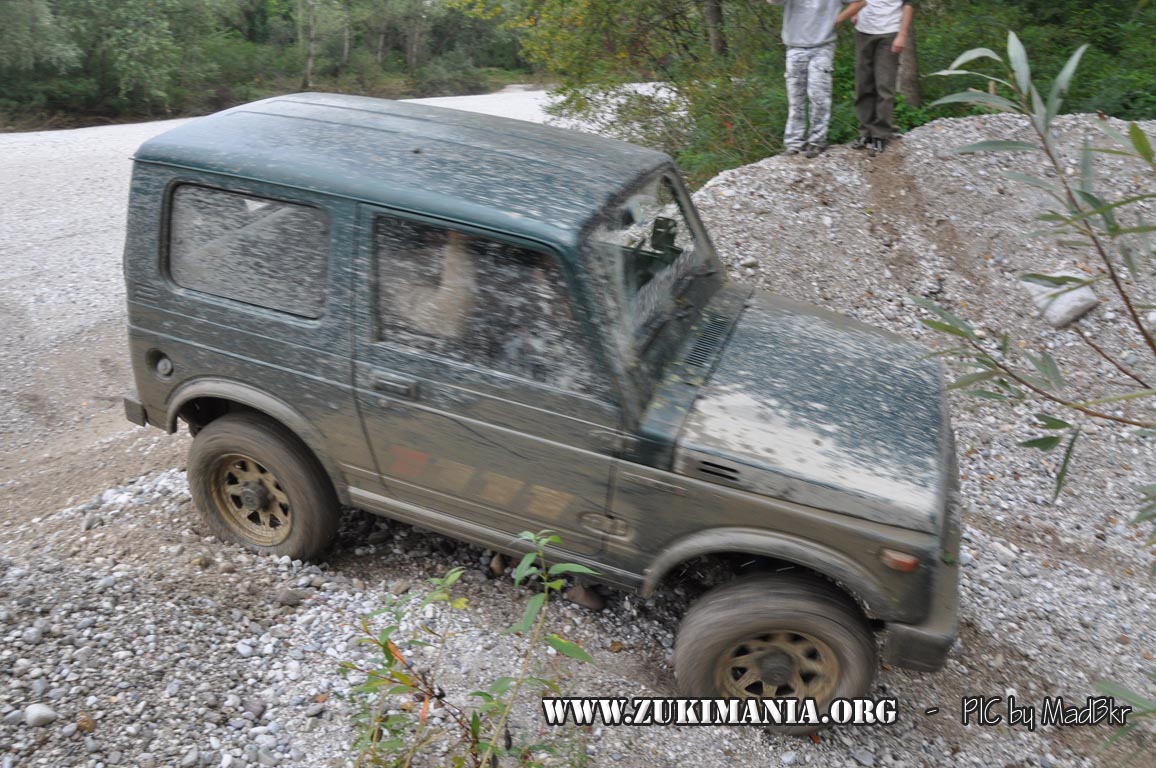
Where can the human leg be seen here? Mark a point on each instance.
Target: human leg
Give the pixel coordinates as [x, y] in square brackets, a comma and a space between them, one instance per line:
[864, 81]
[886, 72]
[795, 135]
[819, 94]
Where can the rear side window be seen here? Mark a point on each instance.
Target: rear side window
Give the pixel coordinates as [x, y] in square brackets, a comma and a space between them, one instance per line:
[479, 301]
[268, 253]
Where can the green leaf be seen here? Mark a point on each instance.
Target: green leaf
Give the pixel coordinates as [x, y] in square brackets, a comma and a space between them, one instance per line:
[1140, 142]
[1047, 367]
[1004, 344]
[1051, 370]
[558, 568]
[569, 649]
[541, 682]
[996, 145]
[1133, 231]
[983, 99]
[973, 54]
[1018, 58]
[985, 76]
[1045, 443]
[1052, 281]
[1145, 514]
[1087, 168]
[1063, 81]
[949, 318]
[1049, 422]
[985, 394]
[972, 378]
[532, 609]
[1062, 476]
[501, 685]
[1109, 688]
[1120, 398]
[1104, 210]
[525, 567]
[945, 328]
[1038, 183]
[475, 726]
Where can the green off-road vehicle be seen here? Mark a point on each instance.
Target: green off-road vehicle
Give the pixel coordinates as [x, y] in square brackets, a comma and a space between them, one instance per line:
[483, 326]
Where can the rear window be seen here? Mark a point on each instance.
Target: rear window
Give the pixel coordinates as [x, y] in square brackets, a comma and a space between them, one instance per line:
[268, 253]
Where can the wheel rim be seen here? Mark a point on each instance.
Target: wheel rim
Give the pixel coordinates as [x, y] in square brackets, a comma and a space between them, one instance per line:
[772, 665]
[251, 500]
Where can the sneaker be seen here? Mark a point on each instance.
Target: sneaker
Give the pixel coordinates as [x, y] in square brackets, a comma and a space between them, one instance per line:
[877, 146]
[792, 150]
[861, 143]
[814, 150]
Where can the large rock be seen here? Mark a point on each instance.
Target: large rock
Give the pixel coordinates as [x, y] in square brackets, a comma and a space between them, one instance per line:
[1060, 306]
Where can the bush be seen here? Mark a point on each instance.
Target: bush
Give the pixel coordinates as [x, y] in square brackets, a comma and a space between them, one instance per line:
[450, 75]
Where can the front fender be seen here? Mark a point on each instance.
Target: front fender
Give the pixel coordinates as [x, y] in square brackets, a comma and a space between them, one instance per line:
[853, 577]
[246, 395]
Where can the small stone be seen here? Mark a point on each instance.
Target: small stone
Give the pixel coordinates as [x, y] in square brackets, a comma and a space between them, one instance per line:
[788, 758]
[32, 635]
[750, 262]
[39, 715]
[315, 710]
[585, 597]
[255, 706]
[92, 520]
[191, 758]
[863, 756]
[244, 650]
[399, 587]
[1059, 305]
[290, 597]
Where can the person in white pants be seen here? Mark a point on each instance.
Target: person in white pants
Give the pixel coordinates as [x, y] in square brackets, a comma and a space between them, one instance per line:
[809, 34]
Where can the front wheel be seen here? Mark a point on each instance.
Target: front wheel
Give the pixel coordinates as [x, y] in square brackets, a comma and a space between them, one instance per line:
[255, 483]
[775, 636]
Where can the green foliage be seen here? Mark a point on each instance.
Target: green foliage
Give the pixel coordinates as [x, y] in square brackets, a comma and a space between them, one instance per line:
[139, 58]
[1123, 253]
[397, 698]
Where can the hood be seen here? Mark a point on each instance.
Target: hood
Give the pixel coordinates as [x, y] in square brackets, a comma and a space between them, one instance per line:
[811, 407]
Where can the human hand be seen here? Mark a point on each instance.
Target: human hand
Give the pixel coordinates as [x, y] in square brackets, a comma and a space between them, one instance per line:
[899, 44]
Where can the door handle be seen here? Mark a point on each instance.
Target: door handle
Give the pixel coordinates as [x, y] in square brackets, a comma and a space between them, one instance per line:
[396, 386]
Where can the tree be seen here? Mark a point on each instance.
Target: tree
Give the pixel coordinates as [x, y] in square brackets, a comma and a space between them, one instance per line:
[713, 12]
[33, 38]
[909, 84]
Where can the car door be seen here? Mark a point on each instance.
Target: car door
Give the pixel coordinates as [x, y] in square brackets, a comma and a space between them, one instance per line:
[481, 401]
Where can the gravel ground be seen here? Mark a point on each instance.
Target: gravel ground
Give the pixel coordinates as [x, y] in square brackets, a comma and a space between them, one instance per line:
[154, 644]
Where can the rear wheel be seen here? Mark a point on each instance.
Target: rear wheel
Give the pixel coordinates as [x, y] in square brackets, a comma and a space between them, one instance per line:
[775, 636]
[255, 483]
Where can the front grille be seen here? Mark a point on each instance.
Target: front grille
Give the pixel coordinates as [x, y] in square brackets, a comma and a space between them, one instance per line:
[708, 341]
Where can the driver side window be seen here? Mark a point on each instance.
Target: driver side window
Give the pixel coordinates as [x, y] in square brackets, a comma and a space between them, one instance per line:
[479, 301]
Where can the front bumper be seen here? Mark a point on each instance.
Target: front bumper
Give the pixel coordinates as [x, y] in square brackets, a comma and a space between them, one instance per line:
[924, 646]
[135, 412]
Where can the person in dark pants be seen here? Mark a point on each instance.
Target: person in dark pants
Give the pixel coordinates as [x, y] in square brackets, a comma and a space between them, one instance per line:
[881, 33]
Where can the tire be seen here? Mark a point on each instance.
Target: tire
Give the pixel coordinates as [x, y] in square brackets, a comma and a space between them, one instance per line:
[803, 632]
[255, 483]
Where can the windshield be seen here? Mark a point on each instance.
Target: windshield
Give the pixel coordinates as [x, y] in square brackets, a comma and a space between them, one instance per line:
[647, 244]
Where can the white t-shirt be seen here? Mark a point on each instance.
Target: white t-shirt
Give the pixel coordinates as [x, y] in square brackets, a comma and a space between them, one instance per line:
[881, 17]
